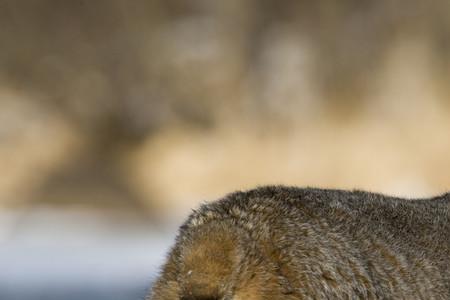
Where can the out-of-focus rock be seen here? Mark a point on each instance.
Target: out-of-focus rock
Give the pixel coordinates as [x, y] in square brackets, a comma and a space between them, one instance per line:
[181, 168]
[33, 142]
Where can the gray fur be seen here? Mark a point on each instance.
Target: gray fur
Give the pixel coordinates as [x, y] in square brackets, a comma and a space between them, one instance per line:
[290, 243]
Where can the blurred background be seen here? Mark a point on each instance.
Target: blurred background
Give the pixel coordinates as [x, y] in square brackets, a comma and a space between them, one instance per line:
[119, 117]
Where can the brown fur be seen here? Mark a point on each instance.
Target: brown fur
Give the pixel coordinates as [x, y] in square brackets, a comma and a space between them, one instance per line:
[290, 243]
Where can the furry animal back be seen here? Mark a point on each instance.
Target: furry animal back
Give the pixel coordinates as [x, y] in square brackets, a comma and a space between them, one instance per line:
[292, 243]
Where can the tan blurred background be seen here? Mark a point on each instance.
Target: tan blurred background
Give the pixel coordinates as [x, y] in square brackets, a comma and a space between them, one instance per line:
[133, 112]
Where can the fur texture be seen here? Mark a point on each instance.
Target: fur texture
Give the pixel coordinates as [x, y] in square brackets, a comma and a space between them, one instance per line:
[292, 243]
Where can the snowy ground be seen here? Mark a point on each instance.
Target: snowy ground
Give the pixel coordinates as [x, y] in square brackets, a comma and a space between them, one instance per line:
[51, 255]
